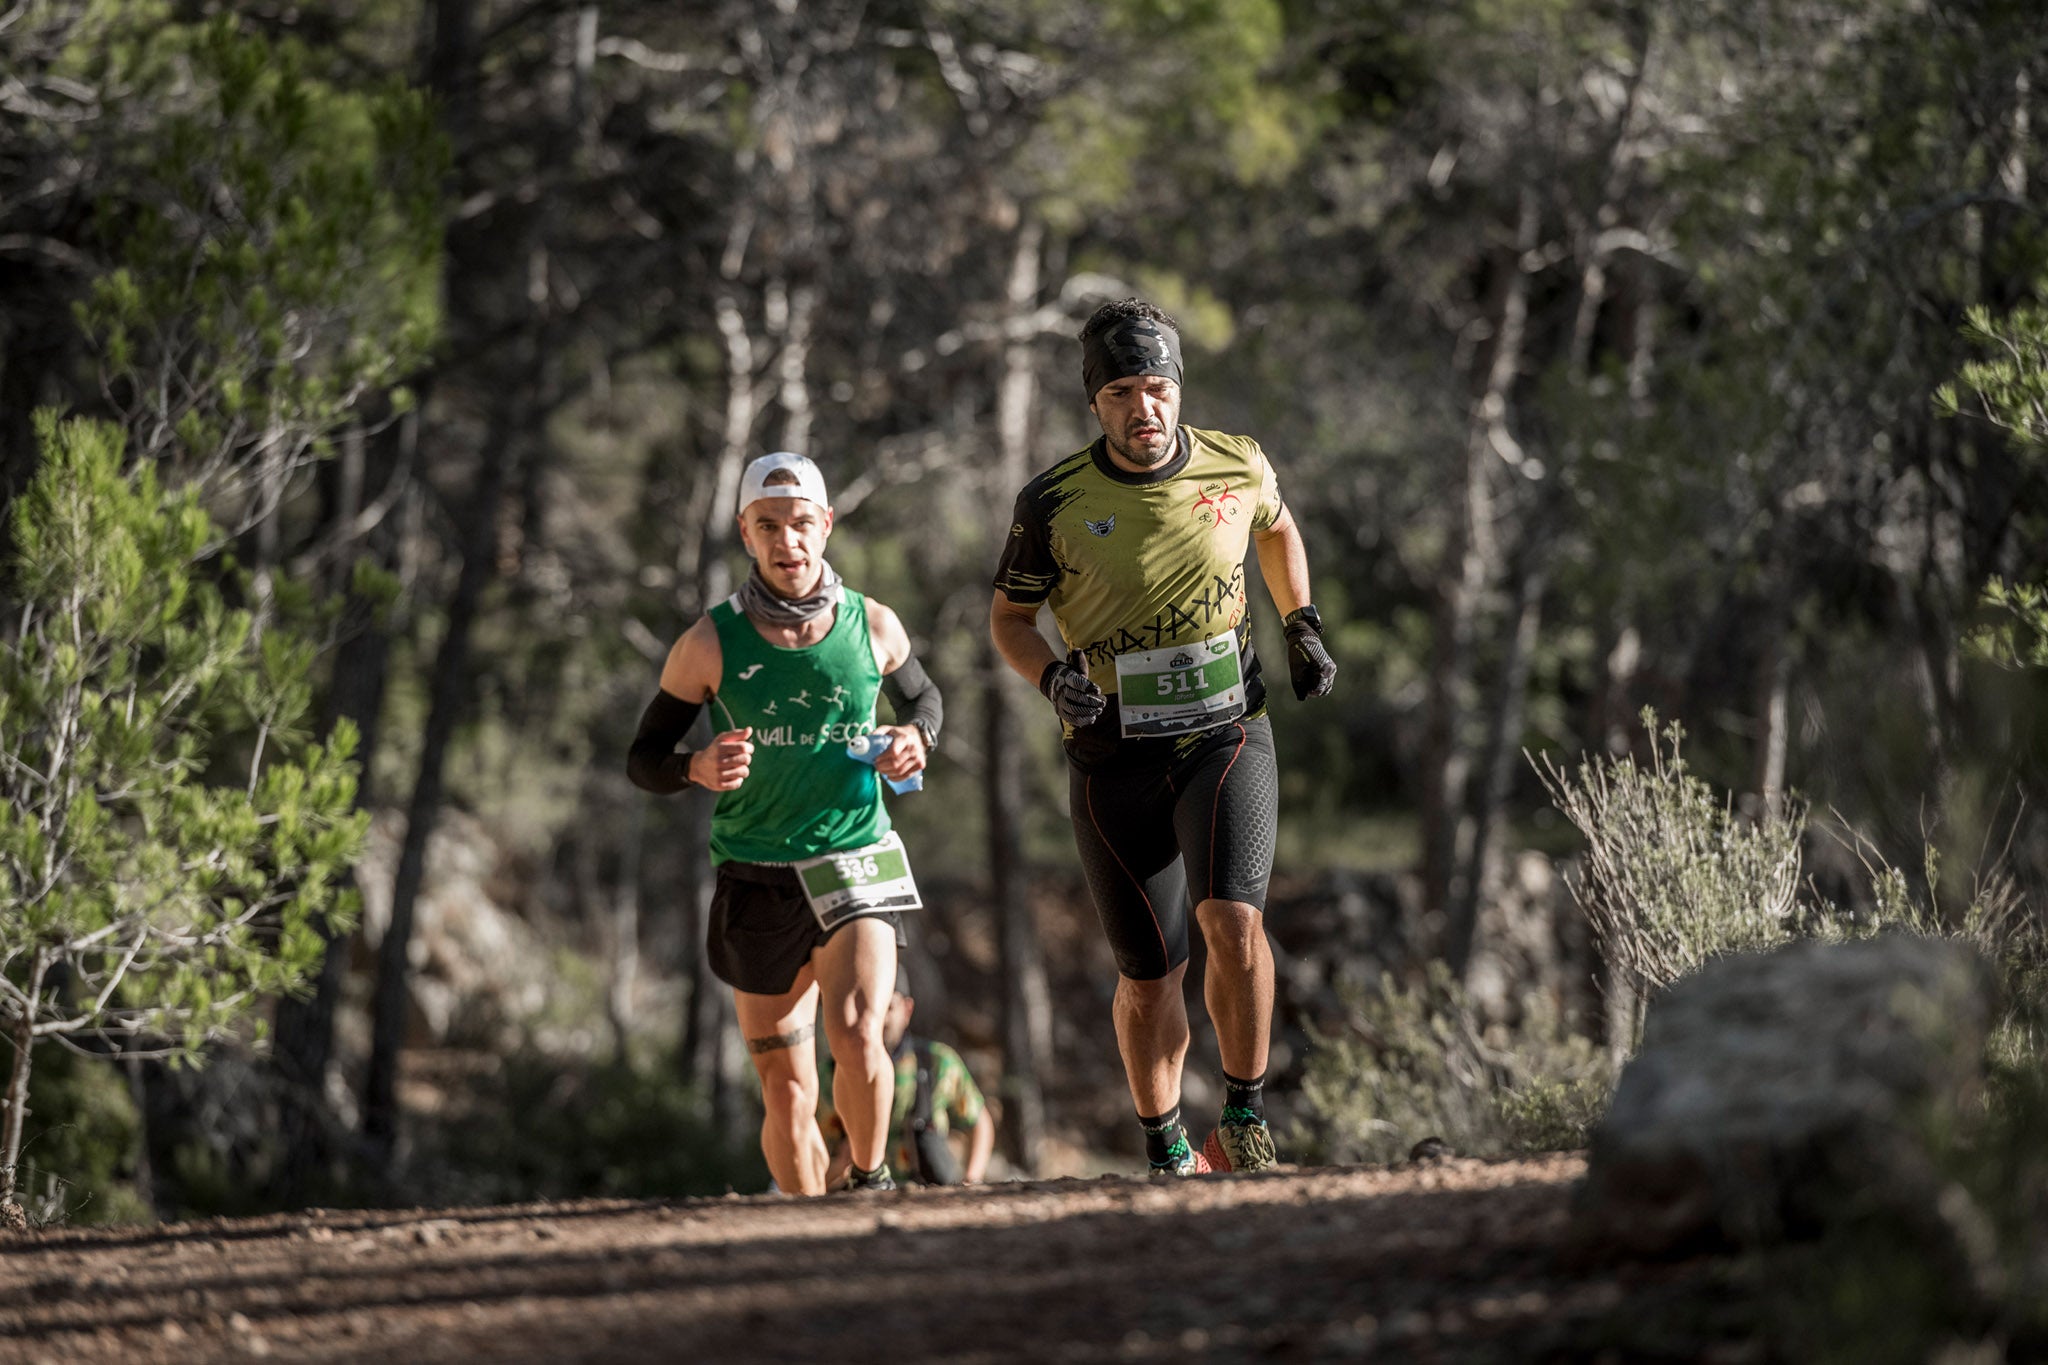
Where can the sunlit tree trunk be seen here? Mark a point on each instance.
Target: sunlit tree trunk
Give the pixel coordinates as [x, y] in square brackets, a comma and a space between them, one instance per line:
[1609, 711]
[1466, 569]
[1533, 505]
[1498, 756]
[22, 1035]
[709, 1024]
[1026, 996]
[1774, 681]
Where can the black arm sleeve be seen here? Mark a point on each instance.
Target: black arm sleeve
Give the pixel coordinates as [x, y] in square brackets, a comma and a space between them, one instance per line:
[653, 762]
[916, 698]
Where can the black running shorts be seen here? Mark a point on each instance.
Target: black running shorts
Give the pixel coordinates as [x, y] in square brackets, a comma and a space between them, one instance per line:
[1157, 839]
[761, 931]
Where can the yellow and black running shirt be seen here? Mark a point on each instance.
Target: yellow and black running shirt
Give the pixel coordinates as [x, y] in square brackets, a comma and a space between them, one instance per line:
[1141, 561]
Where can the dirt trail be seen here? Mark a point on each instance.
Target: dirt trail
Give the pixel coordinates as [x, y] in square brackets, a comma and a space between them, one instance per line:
[1461, 1261]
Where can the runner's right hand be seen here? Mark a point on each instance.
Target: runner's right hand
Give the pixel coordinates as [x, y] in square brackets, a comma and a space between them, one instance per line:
[724, 763]
[1072, 693]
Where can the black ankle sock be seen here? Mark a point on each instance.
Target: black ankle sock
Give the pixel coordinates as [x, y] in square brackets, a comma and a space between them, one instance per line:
[1161, 1135]
[1239, 1094]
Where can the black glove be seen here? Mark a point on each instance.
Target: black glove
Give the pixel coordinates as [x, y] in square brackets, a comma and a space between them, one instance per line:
[1309, 665]
[1077, 699]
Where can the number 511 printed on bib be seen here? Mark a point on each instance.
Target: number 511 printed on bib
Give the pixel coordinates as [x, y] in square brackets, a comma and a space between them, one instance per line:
[1181, 688]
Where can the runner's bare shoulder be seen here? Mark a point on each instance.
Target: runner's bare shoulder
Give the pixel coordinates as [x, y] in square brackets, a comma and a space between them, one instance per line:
[695, 663]
[892, 642]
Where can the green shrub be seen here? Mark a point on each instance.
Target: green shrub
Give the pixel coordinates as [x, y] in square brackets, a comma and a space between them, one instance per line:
[79, 1159]
[1672, 876]
[539, 1126]
[1411, 1062]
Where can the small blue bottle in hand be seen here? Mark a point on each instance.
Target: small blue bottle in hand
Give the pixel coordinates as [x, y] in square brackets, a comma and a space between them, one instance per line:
[868, 748]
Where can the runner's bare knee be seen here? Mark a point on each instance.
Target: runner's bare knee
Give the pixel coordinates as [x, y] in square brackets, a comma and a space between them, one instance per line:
[1230, 926]
[856, 1027]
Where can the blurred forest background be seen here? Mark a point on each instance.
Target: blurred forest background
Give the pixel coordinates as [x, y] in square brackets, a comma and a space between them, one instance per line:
[376, 375]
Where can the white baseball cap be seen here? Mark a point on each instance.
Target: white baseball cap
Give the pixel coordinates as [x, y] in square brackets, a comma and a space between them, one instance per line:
[809, 482]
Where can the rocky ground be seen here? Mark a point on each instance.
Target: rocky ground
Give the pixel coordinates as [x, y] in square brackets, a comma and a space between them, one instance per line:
[1455, 1260]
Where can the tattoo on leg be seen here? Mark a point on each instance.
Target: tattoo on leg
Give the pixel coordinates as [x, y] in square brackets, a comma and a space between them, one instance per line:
[802, 1033]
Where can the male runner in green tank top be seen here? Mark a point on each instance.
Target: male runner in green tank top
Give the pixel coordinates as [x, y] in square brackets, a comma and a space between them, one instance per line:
[790, 665]
[1138, 543]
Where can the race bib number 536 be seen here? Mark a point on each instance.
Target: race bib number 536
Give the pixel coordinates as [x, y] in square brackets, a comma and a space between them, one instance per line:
[860, 881]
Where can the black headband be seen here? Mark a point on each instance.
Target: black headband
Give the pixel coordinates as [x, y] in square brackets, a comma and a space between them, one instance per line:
[1129, 347]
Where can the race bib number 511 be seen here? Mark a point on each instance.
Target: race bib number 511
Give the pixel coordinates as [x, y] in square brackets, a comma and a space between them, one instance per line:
[1181, 688]
[860, 881]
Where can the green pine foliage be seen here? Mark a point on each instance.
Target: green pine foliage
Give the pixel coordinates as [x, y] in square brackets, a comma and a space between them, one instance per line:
[170, 835]
[2011, 378]
[2010, 382]
[1189, 84]
[273, 241]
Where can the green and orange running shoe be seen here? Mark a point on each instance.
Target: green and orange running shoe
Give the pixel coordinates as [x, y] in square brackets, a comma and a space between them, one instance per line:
[1241, 1144]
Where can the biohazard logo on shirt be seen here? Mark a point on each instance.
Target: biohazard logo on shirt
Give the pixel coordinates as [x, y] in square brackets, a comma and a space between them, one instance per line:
[1215, 505]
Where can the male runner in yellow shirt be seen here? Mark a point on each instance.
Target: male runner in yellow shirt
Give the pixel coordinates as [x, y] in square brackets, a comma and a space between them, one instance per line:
[1138, 543]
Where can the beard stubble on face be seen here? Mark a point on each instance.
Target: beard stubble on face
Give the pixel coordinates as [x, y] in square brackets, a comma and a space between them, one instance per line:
[1142, 457]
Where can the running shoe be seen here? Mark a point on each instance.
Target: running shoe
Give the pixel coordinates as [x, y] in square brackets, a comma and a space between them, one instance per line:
[1241, 1145]
[859, 1182]
[1182, 1159]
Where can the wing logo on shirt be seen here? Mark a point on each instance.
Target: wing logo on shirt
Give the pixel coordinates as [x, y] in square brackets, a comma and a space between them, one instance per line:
[1101, 528]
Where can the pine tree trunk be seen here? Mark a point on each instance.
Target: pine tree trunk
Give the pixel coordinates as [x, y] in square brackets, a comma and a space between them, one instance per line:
[1026, 995]
[12, 1123]
[449, 697]
[1610, 712]
[1774, 681]
[623, 934]
[710, 1027]
[303, 1033]
[1467, 567]
[1499, 754]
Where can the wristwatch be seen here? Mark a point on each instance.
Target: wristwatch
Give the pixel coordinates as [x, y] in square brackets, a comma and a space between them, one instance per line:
[1308, 613]
[927, 734]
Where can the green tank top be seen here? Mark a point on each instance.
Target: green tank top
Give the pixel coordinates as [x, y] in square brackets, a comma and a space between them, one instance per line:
[803, 796]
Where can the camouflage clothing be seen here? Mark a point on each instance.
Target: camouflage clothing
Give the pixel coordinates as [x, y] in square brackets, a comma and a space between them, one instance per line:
[957, 1102]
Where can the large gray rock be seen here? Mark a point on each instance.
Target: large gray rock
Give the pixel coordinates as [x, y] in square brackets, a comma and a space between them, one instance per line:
[1778, 1094]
